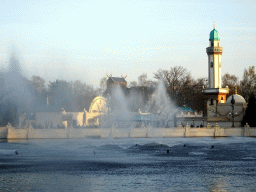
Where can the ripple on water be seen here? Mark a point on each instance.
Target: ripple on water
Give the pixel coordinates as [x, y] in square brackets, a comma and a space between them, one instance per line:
[107, 165]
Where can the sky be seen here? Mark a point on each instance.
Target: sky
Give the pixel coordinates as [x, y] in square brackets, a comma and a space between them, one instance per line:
[87, 39]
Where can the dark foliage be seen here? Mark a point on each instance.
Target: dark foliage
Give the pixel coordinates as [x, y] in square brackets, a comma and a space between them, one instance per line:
[250, 112]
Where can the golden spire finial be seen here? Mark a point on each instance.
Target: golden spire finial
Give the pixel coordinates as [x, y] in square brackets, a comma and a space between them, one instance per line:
[236, 89]
[213, 25]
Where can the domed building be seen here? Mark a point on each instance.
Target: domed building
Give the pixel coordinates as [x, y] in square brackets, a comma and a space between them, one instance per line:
[233, 110]
[237, 98]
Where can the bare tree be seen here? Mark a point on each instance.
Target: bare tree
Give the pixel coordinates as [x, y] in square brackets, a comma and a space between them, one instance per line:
[248, 83]
[60, 95]
[83, 95]
[103, 84]
[182, 88]
[197, 99]
[39, 91]
[133, 84]
[38, 84]
[231, 81]
[177, 80]
[142, 80]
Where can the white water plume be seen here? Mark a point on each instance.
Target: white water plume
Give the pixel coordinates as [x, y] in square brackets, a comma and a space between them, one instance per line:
[158, 112]
[118, 111]
[160, 105]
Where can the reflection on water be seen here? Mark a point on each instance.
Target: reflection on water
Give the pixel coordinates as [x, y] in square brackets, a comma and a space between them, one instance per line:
[218, 184]
[129, 164]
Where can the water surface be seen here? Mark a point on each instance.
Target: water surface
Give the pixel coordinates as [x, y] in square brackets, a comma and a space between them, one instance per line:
[136, 164]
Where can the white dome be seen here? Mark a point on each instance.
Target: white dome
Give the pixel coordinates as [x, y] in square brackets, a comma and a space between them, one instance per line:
[238, 99]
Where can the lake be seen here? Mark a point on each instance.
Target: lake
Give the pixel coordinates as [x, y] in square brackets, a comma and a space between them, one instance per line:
[132, 164]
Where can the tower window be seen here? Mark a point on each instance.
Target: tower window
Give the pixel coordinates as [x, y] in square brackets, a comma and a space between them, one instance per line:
[212, 44]
[212, 101]
[211, 64]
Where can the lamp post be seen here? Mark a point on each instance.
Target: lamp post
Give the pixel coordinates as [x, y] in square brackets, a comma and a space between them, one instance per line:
[233, 102]
[203, 122]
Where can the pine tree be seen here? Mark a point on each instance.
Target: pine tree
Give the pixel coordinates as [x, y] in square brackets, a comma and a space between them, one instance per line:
[250, 112]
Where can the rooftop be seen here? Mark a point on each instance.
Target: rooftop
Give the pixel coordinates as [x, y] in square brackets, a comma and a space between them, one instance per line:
[214, 35]
[118, 79]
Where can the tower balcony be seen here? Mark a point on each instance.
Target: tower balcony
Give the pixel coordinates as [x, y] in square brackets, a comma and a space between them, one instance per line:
[212, 50]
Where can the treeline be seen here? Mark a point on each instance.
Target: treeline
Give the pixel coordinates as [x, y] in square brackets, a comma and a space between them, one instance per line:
[19, 95]
[183, 89]
[245, 87]
[61, 94]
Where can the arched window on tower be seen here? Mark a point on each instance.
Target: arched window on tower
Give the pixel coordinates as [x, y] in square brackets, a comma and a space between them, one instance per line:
[222, 100]
[211, 101]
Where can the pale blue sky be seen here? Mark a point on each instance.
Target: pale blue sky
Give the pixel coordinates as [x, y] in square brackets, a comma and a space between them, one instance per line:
[86, 39]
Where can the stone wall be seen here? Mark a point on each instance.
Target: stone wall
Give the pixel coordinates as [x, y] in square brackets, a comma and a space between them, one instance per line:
[180, 131]
[17, 133]
[3, 132]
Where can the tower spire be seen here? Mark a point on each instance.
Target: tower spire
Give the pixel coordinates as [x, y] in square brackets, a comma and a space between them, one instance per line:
[213, 25]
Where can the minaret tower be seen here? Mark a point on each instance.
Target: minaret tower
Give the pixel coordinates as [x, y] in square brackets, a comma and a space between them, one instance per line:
[216, 94]
[214, 52]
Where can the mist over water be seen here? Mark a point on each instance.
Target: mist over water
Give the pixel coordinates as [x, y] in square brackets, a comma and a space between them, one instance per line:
[161, 105]
[122, 110]
[16, 96]
[22, 95]
[117, 109]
